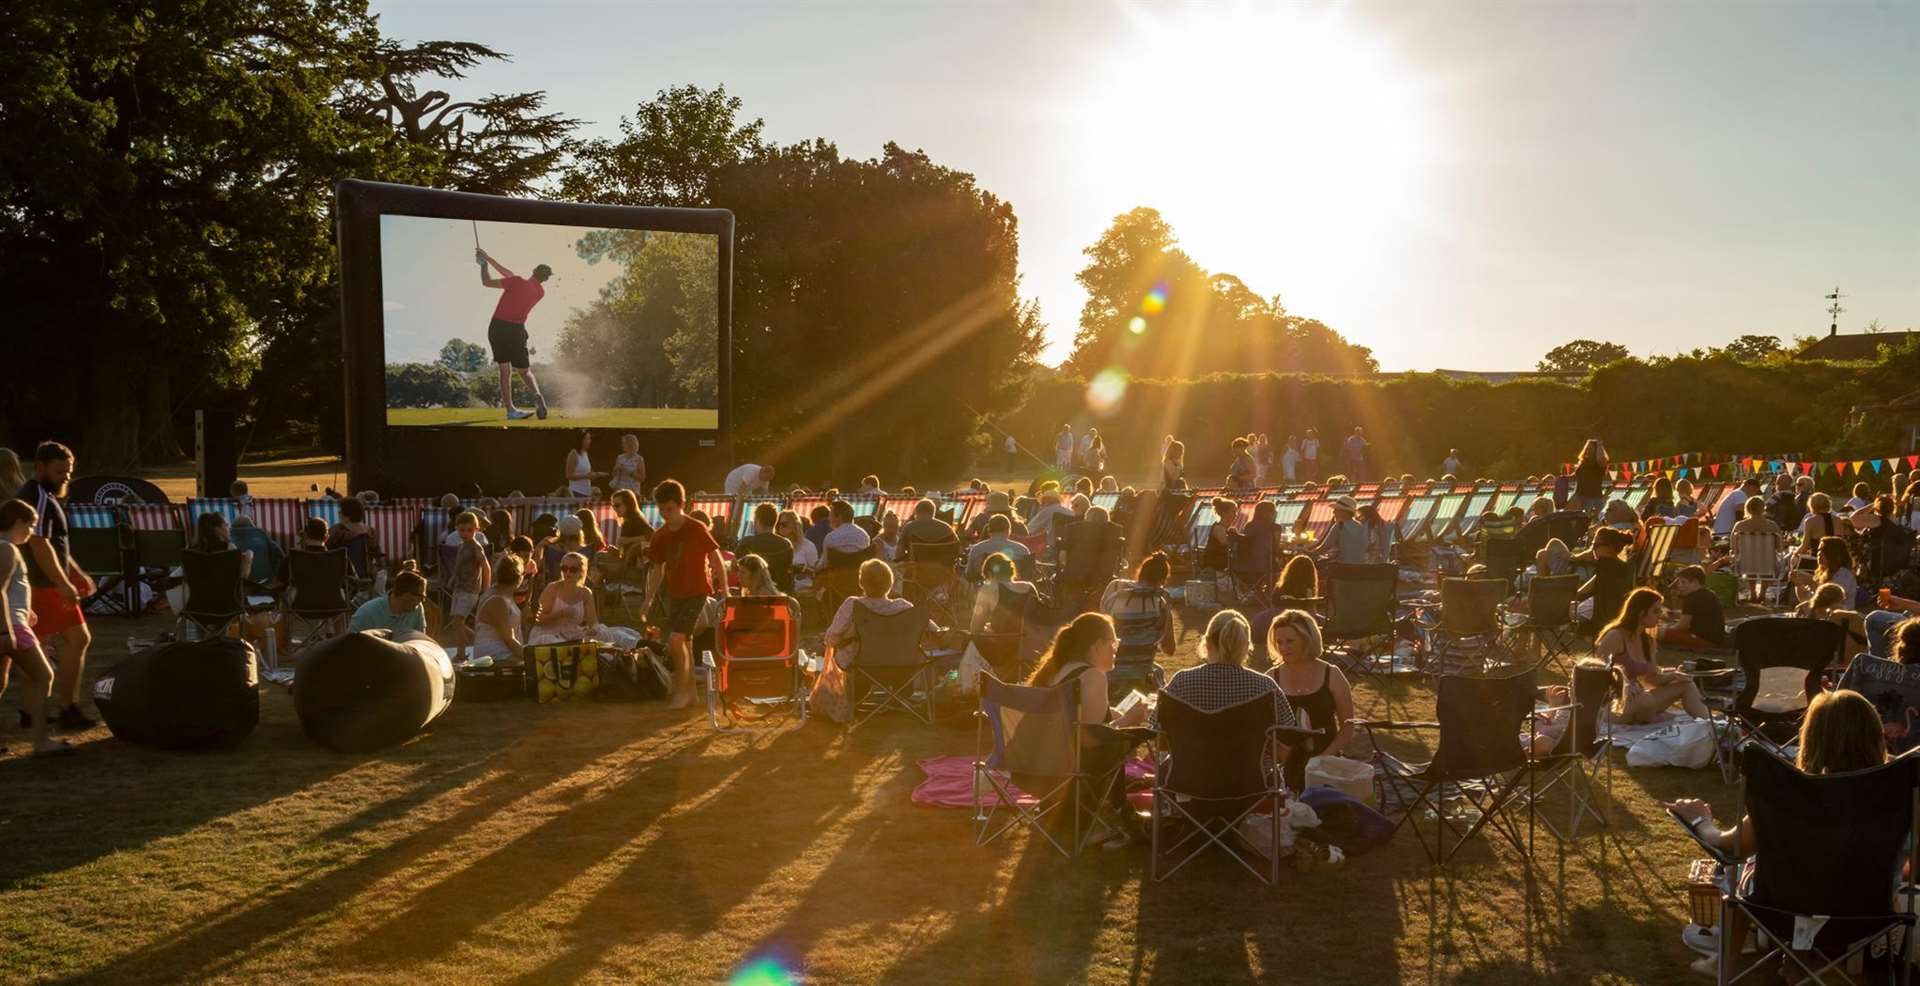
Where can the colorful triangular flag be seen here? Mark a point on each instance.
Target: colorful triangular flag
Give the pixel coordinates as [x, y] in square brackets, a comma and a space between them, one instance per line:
[1876, 466]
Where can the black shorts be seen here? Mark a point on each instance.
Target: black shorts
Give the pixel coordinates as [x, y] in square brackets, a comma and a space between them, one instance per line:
[509, 342]
[683, 613]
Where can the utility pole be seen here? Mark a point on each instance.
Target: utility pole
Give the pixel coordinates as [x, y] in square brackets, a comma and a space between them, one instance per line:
[1833, 311]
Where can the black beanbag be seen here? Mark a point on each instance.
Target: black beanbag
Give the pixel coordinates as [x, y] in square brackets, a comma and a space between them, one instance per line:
[189, 695]
[366, 691]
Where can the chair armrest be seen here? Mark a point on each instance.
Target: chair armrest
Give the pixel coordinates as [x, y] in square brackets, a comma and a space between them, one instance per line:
[706, 659]
[1570, 706]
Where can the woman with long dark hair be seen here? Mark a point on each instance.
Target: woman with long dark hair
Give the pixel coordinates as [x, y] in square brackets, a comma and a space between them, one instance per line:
[1590, 477]
[1629, 643]
[580, 474]
[1083, 652]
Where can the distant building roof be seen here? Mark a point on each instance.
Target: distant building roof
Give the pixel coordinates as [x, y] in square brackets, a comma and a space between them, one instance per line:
[1502, 376]
[1853, 345]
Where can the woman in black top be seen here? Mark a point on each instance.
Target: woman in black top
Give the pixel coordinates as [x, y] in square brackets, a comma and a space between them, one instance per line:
[1589, 475]
[1321, 697]
[1216, 555]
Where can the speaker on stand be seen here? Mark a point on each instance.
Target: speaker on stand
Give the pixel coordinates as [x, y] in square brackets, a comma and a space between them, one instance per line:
[216, 451]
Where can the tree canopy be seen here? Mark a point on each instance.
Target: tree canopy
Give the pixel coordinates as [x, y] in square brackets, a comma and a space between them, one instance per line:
[1581, 356]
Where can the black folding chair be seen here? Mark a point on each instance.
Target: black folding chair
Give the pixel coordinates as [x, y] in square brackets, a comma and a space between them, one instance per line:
[1468, 629]
[102, 553]
[1480, 771]
[1217, 772]
[317, 599]
[1569, 526]
[1093, 556]
[1583, 753]
[156, 554]
[931, 578]
[1782, 661]
[1820, 890]
[216, 595]
[1548, 619]
[840, 577]
[890, 670]
[1002, 639]
[1361, 607]
[1028, 741]
[1504, 557]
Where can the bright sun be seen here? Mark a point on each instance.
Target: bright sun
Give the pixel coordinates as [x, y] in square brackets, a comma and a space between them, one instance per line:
[1281, 144]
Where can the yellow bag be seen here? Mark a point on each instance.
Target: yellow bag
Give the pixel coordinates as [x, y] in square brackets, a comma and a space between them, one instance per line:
[566, 671]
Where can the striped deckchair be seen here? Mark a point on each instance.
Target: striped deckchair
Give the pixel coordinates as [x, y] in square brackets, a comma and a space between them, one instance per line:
[91, 516]
[1391, 508]
[1445, 514]
[651, 511]
[223, 506]
[608, 518]
[743, 524]
[153, 517]
[433, 525]
[720, 509]
[393, 529]
[1200, 523]
[863, 504]
[1105, 501]
[279, 516]
[1287, 513]
[1319, 518]
[326, 508]
[1419, 511]
[804, 505]
[902, 506]
[1636, 496]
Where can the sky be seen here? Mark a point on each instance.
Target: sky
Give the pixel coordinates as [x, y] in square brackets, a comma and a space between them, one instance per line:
[1458, 186]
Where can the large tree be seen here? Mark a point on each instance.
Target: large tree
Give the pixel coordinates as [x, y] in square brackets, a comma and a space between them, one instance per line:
[1151, 311]
[1581, 356]
[877, 315]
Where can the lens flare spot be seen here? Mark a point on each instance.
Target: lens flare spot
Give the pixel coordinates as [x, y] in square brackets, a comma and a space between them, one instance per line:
[1107, 391]
[1155, 301]
[1138, 326]
[762, 972]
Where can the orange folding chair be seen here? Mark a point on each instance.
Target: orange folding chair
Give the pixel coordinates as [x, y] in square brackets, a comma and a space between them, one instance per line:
[757, 672]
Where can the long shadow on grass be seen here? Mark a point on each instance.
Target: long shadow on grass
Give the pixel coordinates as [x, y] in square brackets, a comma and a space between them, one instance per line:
[257, 922]
[115, 796]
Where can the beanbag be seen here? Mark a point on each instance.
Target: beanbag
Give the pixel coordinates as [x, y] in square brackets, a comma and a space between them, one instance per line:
[366, 691]
[188, 695]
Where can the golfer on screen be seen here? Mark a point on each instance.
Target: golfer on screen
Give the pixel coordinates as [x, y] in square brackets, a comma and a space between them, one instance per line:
[507, 333]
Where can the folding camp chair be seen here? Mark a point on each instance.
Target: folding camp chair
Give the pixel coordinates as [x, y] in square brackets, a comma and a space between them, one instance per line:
[215, 592]
[316, 597]
[1002, 638]
[1361, 604]
[1821, 889]
[931, 578]
[1480, 770]
[1217, 773]
[1446, 514]
[1419, 511]
[1782, 661]
[1756, 560]
[1548, 619]
[102, 547]
[1145, 616]
[1569, 526]
[891, 670]
[1093, 556]
[265, 571]
[1027, 741]
[840, 576]
[1468, 625]
[757, 671]
[1504, 557]
[1652, 556]
[1582, 753]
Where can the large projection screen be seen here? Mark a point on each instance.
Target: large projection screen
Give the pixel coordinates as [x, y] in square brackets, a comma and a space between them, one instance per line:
[483, 335]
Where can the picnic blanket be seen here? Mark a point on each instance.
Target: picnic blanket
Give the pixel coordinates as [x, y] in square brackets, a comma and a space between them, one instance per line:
[949, 783]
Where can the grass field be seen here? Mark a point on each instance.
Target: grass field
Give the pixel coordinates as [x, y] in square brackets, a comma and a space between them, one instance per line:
[621, 842]
[580, 417]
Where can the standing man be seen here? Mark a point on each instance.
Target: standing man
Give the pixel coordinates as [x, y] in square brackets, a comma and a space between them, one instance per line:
[1356, 454]
[1012, 448]
[1450, 466]
[687, 559]
[1310, 454]
[507, 333]
[1086, 450]
[58, 585]
[1063, 448]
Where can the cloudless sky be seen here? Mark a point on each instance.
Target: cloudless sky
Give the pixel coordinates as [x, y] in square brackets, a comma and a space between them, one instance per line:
[1455, 186]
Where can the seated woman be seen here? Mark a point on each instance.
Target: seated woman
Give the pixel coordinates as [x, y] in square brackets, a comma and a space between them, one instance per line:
[1829, 602]
[1216, 555]
[628, 552]
[887, 541]
[994, 603]
[496, 621]
[400, 610]
[1818, 525]
[1833, 563]
[806, 557]
[353, 534]
[876, 584]
[1083, 653]
[1299, 584]
[1142, 615]
[566, 611]
[1381, 533]
[213, 535]
[755, 579]
[1318, 692]
[1841, 732]
[1629, 644]
[1661, 503]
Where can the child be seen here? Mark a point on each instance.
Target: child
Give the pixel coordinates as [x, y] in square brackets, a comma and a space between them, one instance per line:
[1602, 595]
[17, 520]
[1702, 622]
[1548, 727]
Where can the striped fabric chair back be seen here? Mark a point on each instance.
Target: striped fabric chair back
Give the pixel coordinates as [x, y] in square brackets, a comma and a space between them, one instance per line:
[719, 509]
[743, 523]
[153, 517]
[279, 516]
[393, 529]
[91, 516]
[196, 506]
[325, 508]
[864, 504]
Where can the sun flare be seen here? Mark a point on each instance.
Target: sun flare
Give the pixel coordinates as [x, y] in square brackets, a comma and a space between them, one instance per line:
[1282, 144]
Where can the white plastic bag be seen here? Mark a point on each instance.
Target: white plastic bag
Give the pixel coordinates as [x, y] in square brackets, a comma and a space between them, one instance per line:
[1353, 778]
[1682, 743]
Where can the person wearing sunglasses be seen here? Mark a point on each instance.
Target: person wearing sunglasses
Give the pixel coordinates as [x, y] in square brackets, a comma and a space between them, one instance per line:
[566, 610]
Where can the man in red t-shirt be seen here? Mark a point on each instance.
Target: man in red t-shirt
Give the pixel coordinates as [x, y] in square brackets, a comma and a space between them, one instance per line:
[687, 558]
[507, 333]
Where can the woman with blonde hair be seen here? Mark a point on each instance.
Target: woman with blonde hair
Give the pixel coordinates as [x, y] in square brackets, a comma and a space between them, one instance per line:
[876, 588]
[1830, 602]
[1319, 693]
[566, 611]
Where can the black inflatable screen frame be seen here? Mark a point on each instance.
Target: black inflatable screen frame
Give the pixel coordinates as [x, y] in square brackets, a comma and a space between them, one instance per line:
[428, 461]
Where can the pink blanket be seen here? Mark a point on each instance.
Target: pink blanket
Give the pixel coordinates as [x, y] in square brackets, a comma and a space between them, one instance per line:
[949, 784]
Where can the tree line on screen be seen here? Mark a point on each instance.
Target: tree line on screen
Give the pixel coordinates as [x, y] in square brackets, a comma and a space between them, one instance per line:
[167, 243]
